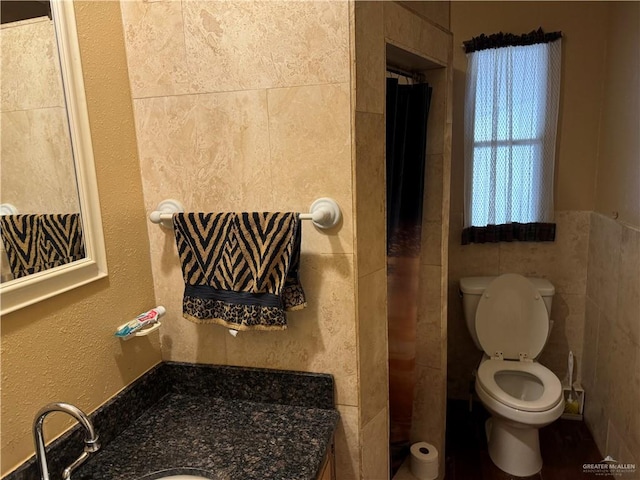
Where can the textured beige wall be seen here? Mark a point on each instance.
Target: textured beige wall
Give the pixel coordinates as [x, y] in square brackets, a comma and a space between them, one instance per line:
[618, 182]
[247, 106]
[583, 43]
[63, 349]
[563, 262]
[35, 151]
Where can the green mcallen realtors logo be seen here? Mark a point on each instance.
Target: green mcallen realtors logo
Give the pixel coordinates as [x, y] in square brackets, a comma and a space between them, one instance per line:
[608, 466]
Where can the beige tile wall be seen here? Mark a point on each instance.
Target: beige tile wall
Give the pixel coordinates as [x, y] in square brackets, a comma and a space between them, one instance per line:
[247, 106]
[376, 24]
[429, 405]
[611, 371]
[369, 175]
[37, 165]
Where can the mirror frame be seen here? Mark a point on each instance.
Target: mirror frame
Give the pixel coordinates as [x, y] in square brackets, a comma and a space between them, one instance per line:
[34, 288]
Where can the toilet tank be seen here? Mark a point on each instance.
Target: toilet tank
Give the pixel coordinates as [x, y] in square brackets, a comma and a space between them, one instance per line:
[471, 289]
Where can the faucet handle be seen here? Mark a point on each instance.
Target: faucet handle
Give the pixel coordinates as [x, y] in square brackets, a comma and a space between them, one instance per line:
[66, 473]
[92, 445]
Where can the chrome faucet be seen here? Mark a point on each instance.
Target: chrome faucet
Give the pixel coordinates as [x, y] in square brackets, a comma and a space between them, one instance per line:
[91, 443]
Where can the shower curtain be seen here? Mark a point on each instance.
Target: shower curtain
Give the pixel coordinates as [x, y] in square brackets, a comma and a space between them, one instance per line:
[407, 112]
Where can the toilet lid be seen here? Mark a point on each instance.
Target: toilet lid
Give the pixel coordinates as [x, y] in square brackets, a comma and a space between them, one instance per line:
[512, 318]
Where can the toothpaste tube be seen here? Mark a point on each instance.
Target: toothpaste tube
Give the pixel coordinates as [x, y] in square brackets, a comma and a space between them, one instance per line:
[142, 320]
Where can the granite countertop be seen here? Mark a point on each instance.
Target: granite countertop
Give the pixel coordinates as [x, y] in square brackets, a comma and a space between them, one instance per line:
[222, 439]
[220, 422]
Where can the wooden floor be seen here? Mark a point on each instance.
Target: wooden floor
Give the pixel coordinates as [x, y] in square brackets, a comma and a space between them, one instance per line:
[565, 444]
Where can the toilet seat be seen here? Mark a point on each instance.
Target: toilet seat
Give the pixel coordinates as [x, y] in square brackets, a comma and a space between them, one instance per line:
[552, 389]
[512, 321]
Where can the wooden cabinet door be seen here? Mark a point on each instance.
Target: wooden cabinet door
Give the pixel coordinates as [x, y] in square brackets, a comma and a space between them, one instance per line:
[328, 468]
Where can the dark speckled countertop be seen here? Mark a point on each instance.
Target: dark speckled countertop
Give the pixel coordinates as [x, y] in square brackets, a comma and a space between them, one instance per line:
[227, 439]
[224, 423]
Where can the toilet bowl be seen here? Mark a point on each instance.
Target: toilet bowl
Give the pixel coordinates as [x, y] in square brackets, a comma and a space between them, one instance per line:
[521, 400]
[512, 326]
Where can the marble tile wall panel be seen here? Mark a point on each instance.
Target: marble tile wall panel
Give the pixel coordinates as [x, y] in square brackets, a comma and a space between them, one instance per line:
[437, 79]
[372, 315]
[370, 57]
[611, 347]
[370, 187]
[431, 253]
[629, 284]
[37, 164]
[320, 338]
[428, 330]
[208, 151]
[406, 30]
[375, 447]
[604, 263]
[567, 333]
[429, 408]
[156, 49]
[436, 12]
[310, 139]
[590, 340]
[623, 399]
[38, 174]
[563, 262]
[201, 46]
[29, 51]
[280, 43]
[433, 186]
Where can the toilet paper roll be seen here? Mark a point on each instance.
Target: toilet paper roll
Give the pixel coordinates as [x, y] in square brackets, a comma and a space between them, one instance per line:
[424, 461]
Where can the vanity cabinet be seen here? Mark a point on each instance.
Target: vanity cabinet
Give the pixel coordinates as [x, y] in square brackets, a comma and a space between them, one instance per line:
[328, 470]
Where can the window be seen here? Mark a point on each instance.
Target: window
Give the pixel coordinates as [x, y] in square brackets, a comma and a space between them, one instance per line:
[511, 115]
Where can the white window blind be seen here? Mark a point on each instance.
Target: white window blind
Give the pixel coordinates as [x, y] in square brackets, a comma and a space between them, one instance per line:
[511, 114]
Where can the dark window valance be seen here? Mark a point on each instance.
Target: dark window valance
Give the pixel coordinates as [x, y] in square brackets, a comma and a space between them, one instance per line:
[499, 40]
[522, 232]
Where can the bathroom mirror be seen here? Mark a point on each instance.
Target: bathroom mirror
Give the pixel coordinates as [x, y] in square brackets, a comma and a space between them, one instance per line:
[63, 185]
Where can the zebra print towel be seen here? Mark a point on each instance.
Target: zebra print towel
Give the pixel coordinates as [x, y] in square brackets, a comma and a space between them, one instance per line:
[240, 269]
[37, 242]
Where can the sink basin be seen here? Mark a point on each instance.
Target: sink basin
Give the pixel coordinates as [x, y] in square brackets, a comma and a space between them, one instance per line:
[183, 477]
[180, 474]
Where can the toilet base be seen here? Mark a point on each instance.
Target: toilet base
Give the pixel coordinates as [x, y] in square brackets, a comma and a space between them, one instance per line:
[513, 449]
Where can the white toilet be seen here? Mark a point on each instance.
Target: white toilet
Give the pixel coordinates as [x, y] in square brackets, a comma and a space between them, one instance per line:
[508, 318]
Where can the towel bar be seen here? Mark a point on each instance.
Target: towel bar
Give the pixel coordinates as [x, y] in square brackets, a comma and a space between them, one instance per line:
[324, 212]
